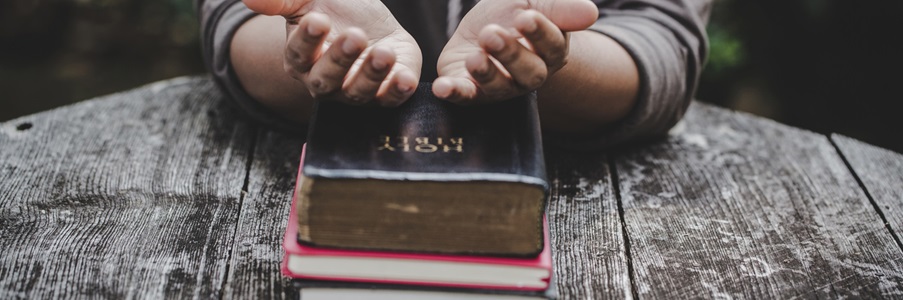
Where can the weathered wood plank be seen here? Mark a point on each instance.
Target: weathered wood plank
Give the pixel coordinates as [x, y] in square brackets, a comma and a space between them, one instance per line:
[130, 195]
[881, 173]
[257, 254]
[585, 228]
[735, 206]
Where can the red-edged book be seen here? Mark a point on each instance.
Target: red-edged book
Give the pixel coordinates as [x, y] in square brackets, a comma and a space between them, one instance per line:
[318, 264]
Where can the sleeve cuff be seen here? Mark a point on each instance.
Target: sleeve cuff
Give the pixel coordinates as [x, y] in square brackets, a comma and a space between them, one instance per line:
[663, 94]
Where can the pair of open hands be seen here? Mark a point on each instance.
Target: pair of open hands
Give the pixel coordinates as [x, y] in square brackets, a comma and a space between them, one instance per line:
[356, 52]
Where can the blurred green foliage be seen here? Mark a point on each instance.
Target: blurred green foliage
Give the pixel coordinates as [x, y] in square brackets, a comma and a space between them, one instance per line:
[55, 52]
[824, 65]
[725, 53]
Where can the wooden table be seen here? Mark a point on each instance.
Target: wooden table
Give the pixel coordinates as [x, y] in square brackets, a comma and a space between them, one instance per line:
[164, 191]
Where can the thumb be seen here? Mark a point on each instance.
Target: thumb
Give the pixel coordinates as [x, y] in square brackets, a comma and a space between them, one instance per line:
[569, 15]
[275, 7]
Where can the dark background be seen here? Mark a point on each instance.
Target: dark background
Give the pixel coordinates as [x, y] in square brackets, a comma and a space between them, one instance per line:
[823, 65]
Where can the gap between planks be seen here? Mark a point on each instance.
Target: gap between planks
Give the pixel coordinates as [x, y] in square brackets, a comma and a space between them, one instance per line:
[616, 189]
[865, 190]
[241, 199]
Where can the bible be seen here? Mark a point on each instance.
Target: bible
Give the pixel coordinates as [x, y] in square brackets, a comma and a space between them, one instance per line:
[428, 176]
[431, 271]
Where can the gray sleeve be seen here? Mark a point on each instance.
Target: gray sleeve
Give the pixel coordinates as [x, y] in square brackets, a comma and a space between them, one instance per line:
[668, 42]
[219, 20]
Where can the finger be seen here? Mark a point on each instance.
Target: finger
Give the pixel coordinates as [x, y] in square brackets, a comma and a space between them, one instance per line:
[303, 45]
[526, 69]
[569, 15]
[328, 74]
[493, 84]
[397, 89]
[455, 89]
[284, 8]
[547, 40]
[376, 66]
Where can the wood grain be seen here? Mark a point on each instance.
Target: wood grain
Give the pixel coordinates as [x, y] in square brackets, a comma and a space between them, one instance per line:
[130, 195]
[735, 206]
[588, 248]
[881, 173]
[257, 254]
[140, 194]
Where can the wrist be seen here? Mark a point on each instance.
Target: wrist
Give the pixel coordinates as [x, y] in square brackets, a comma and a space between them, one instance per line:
[597, 87]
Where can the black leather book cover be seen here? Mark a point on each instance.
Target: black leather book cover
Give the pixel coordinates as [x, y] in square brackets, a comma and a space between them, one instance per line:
[427, 139]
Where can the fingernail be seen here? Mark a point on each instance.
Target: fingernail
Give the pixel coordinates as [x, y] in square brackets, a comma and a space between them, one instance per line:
[316, 84]
[495, 42]
[355, 99]
[313, 31]
[348, 47]
[531, 26]
[481, 70]
[404, 88]
[378, 64]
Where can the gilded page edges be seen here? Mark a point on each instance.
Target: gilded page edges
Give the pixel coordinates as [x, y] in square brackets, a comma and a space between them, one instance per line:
[302, 192]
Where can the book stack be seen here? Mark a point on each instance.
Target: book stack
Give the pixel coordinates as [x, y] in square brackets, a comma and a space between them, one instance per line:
[428, 200]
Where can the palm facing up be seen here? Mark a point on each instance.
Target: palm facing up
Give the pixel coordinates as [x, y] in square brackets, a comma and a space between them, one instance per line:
[503, 49]
[349, 50]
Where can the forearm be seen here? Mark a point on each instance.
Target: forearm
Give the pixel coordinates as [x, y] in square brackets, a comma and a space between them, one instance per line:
[597, 87]
[257, 53]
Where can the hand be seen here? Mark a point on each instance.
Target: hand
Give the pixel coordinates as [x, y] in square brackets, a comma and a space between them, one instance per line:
[503, 49]
[358, 53]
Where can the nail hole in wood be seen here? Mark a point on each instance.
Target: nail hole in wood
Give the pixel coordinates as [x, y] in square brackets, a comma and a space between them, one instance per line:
[24, 126]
